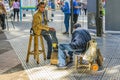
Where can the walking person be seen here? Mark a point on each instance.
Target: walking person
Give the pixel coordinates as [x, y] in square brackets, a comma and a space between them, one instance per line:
[66, 10]
[40, 27]
[2, 15]
[84, 8]
[16, 9]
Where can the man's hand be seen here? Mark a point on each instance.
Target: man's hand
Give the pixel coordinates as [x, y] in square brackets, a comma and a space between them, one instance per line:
[52, 29]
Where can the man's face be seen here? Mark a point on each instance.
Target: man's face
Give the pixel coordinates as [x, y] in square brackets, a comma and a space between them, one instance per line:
[42, 8]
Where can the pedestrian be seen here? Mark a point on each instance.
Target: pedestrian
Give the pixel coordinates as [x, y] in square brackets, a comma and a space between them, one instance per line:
[2, 15]
[16, 7]
[76, 10]
[84, 8]
[40, 27]
[66, 10]
[79, 40]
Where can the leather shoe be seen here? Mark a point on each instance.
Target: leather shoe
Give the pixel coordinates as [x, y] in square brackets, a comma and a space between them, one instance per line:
[65, 32]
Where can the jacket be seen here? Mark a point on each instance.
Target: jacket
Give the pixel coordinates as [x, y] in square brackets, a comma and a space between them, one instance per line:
[37, 23]
[66, 7]
[79, 40]
[2, 8]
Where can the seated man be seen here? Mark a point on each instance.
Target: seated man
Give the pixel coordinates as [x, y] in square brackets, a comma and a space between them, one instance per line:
[80, 37]
[39, 26]
[2, 15]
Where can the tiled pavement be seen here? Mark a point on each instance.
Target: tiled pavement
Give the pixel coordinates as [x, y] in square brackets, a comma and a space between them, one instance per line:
[18, 38]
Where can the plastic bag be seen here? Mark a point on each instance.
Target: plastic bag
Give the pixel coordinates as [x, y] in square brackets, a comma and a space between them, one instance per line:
[90, 53]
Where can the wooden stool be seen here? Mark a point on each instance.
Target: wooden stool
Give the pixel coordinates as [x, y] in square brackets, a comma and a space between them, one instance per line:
[78, 62]
[91, 64]
[36, 50]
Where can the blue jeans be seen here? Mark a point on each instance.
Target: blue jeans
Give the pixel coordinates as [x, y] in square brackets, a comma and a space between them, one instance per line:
[66, 21]
[50, 37]
[62, 54]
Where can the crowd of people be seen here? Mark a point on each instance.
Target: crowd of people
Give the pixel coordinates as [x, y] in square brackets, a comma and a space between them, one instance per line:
[3, 12]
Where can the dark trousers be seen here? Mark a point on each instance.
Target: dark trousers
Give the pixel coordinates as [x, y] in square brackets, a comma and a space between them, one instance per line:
[16, 11]
[85, 10]
[75, 18]
[50, 37]
[2, 18]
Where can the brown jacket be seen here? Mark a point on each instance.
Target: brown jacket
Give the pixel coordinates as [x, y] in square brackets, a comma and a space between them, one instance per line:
[2, 8]
[37, 23]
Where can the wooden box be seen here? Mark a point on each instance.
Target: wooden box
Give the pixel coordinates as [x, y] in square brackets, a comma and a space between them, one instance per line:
[54, 58]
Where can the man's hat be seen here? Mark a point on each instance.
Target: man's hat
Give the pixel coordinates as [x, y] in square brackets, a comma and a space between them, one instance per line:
[76, 25]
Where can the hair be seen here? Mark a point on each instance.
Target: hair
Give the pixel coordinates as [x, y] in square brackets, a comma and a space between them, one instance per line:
[41, 3]
[76, 25]
[15, 0]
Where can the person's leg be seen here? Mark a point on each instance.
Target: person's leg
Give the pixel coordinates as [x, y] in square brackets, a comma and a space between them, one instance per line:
[53, 35]
[3, 21]
[75, 18]
[66, 22]
[0, 20]
[85, 10]
[49, 43]
[71, 55]
[14, 10]
[17, 14]
[62, 53]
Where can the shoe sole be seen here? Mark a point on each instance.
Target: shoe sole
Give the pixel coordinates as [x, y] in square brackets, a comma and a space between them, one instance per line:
[62, 68]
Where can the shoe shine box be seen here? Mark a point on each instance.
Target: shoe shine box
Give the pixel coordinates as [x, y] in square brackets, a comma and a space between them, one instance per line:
[54, 58]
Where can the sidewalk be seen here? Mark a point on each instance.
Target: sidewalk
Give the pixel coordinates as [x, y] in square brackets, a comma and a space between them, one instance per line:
[16, 42]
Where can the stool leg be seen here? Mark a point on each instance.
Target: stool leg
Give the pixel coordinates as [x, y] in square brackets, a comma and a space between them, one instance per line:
[43, 48]
[29, 48]
[76, 61]
[89, 65]
[81, 60]
[36, 48]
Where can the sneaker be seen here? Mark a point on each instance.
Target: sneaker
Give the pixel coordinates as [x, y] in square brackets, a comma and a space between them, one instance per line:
[61, 66]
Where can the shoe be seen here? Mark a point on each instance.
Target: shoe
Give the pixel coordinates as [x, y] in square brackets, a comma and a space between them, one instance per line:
[3, 28]
[61, 66]
[65, 32]
[48, 58]
[55, 50]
